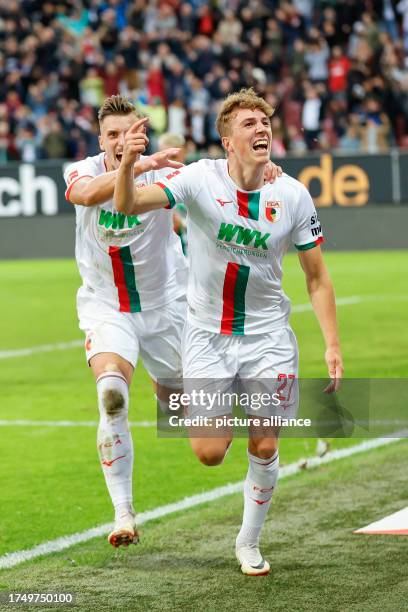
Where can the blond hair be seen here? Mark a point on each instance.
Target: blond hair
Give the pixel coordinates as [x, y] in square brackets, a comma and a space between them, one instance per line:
[116, 105]
[245, 98]
[170, 139]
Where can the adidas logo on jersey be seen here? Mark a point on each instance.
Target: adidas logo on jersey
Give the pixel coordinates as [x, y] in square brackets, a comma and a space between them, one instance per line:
[243, 236]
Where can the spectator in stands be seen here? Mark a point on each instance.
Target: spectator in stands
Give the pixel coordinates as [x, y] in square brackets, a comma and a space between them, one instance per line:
[402, 8]
[317, 56]
[55, 142]
[311, 116]
[279, 141]
[388, 20]
[177, 117]
[297, 144]
[339, 67]
[350, 142]
[26, 144]
[274, 37]
[297, 58]
[376, 127]
[230, 30]
[4, 142]
[91, 88]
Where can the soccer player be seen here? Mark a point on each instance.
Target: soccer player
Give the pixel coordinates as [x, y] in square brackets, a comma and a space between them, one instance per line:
[132, 298]
[237, 322]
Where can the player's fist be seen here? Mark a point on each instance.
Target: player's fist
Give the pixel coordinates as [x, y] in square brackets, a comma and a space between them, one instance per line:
[135, 142]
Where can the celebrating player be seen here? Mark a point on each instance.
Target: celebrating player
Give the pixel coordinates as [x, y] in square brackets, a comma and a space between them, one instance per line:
[237, 322]
[132, 300]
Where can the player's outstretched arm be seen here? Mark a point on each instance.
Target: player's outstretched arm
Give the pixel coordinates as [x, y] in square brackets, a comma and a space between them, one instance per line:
[89, 191]
[129, 199]
[321, 294]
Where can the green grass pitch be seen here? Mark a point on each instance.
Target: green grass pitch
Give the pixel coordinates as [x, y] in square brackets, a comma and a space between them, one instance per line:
[52, 485]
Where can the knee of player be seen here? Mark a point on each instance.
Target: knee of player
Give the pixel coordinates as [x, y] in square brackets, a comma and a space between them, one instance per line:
[210, 456]
[112, 391]
[265, 448]
[112, 367]
[114, 402]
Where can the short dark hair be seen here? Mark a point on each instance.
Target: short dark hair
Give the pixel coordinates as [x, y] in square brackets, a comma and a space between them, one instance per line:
[116, 105]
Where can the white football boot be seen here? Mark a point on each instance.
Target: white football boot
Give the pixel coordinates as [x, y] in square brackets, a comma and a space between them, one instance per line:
[251, 561]
[124, 531]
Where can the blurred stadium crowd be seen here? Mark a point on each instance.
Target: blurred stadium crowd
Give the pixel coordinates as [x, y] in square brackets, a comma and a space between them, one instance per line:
[337, 71]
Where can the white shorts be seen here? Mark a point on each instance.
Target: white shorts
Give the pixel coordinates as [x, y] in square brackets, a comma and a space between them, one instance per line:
[261, 363]
[155, 335]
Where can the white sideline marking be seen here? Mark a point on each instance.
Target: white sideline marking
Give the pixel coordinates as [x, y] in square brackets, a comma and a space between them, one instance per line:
[28, 423]
[346, 301]
[62, 346]
[42, 348]
[297, 308]
[15, 558]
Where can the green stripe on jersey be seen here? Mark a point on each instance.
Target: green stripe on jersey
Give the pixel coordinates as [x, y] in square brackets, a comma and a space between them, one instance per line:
[170, 197]
[253, 205]
[129, 272]
[239, 300]
[309, 245]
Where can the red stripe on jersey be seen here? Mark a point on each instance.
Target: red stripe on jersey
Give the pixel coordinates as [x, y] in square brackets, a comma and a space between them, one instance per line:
[230, 281]
[70, 186]
[119, 278]
[242, 204]
[167, 207]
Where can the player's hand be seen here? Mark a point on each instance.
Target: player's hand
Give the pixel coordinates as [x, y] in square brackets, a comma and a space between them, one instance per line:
[272, 171]
[334, 362]
[162, 159]
[135, 143]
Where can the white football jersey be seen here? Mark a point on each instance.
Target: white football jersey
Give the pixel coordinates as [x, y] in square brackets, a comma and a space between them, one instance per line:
[237, 240]
[133, 263]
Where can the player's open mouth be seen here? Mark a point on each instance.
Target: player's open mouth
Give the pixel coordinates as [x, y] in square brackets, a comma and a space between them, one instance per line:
[119, 157]
[260, 145]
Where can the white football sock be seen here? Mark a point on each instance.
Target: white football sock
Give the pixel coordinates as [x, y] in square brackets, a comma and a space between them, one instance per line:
[258, 488]
[163, 405]
[115, 445]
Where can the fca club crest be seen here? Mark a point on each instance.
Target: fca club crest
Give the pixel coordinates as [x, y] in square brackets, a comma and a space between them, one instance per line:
[273, 211]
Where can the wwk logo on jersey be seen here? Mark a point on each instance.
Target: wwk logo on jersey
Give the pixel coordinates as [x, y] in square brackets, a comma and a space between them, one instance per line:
[273, 211]
[243, 236]
[117, 220]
